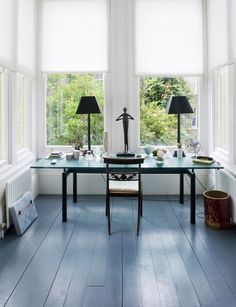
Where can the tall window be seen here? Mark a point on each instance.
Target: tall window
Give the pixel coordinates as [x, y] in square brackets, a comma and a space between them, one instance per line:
[166, 47]
[3, 118]
[74, 56]
[156, 126]
[63, 93]
[22, 112]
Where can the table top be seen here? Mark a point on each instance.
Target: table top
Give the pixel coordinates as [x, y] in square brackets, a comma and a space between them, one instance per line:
[83, 165]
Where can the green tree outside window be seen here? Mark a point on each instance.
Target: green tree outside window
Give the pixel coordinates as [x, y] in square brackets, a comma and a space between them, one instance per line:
[156, 126]
[63, 92]
[62, 99]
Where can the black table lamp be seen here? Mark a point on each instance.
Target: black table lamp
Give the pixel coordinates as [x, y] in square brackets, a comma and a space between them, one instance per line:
[88, 105]
[178, 105]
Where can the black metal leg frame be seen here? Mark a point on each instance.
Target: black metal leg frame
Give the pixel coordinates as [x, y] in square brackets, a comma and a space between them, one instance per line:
[191, 175]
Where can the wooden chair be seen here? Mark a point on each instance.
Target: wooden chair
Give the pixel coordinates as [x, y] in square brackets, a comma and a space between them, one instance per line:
[123, 180]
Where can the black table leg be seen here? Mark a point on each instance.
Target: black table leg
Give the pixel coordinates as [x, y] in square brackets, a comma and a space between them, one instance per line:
[181, 188]
[192, 198]
[74, 187]
[64, 195]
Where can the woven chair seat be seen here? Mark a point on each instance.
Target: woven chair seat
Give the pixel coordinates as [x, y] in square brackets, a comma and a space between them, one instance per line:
[123, 186]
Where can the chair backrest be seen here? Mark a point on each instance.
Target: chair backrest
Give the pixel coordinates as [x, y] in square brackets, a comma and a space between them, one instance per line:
[123, 169]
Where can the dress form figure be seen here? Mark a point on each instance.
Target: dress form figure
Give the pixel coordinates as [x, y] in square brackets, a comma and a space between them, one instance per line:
[125, 117]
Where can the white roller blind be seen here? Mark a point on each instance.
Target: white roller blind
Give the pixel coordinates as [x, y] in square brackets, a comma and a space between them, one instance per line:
[6, 31]
[26, 36]
[74, 35]
[217, 32]
[233, 28]
[168, 37]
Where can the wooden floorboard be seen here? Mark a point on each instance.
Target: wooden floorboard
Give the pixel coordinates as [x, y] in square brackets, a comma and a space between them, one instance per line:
[182, 281]
[172, 263]
[199, 238]
[19, 255]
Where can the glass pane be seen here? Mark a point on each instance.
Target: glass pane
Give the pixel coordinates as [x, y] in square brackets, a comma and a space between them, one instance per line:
[159, 128]
[63, 92]
[22, 133]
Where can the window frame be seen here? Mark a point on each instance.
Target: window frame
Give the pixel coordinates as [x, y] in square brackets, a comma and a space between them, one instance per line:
[22, 153]
[198, 113]
[11, 65]
[5, 128]
[228, 157]
[42, 148]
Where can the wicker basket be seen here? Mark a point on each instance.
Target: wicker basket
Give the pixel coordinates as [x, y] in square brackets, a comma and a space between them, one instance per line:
[217, 209]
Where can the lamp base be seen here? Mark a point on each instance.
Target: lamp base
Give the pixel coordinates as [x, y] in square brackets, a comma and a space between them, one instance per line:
[175, 154]
[125, 154]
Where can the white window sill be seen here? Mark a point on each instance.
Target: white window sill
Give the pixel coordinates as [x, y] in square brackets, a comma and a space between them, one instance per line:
[9, 170]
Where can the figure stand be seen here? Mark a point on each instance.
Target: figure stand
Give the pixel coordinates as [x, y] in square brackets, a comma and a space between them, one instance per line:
[125, 117]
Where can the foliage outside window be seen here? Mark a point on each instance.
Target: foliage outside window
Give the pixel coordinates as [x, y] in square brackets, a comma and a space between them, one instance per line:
[63, 92]
[22, 111]
[156, 126]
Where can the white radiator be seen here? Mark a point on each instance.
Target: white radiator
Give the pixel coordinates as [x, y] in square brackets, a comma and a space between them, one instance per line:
[15, 188]
[225, 181]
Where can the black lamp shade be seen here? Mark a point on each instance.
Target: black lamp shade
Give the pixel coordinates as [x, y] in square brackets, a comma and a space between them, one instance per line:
[88, 105]
[178, 105]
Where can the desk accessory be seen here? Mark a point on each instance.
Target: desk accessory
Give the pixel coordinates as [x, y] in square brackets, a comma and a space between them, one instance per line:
[179, 151]
[76, 154]
[203, 159]
[105, 141]
[56, 155]
[125, 117]
[193, 146]
[69, 156]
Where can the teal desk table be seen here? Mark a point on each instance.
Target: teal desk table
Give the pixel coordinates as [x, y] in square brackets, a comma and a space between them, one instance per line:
[171, 166]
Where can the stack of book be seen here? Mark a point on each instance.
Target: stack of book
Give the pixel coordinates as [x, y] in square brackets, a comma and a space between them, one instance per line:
[56, 155]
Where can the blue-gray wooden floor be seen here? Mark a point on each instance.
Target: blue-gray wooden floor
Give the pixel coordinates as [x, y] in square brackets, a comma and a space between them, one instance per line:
[172, 263]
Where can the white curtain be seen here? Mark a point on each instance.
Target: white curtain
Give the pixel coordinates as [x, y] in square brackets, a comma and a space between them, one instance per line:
[26, 36]
[168, 37]
[6, 32]
[74, 35]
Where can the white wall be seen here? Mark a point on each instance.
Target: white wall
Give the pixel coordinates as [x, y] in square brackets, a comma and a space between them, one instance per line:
[19, 62]
[50, 182]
